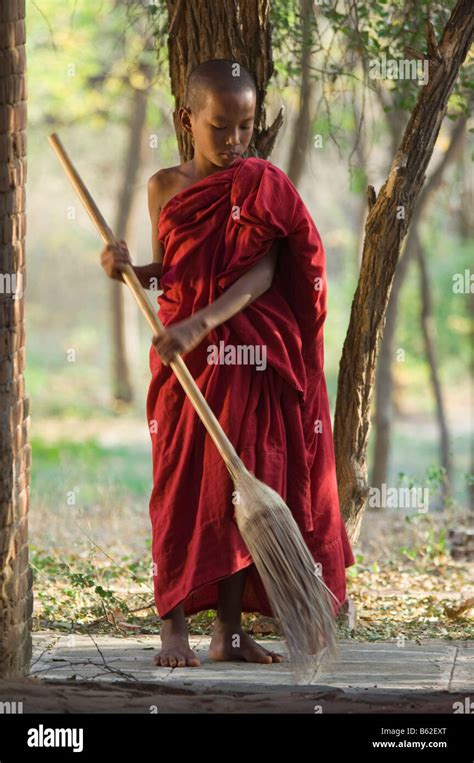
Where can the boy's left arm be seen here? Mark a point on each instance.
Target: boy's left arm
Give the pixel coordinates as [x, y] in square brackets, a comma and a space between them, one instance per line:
[182, 337]
[242, 293]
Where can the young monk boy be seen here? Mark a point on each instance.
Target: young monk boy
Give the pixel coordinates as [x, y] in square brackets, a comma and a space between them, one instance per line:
[242, 269]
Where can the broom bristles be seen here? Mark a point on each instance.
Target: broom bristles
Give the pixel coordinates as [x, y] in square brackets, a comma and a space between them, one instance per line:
[299, 598]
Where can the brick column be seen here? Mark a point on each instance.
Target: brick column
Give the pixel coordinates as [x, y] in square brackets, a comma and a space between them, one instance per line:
[16, 598]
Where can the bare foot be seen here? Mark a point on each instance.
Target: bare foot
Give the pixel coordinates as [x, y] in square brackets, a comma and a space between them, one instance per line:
[232, 643]
[175, 650]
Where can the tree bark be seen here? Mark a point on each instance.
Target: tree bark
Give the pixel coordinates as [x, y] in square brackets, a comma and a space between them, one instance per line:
[16, 597]
[387, 224]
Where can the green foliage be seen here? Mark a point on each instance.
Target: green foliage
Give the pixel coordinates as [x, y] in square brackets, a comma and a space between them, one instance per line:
[74, 593]
[88, 59]
[123, 472]
[348, 36]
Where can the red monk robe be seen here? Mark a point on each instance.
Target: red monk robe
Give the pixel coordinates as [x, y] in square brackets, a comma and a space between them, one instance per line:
[277, 418]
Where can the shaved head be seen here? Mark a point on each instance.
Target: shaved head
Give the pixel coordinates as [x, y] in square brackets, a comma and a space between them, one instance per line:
[216, 75]
[219, 115]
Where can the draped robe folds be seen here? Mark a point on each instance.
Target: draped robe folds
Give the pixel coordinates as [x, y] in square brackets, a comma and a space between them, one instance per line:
[275, 412]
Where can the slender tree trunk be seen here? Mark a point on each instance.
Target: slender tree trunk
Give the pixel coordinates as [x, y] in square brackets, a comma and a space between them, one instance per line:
[362, 212]
[470, 312]
[16, 597]
[387, 224]
[121, 378]
[466, 231]
[302, 128]
[385, 381]
[427, 328]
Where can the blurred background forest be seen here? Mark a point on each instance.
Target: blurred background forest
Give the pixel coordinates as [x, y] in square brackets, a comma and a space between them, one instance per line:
[98, 75]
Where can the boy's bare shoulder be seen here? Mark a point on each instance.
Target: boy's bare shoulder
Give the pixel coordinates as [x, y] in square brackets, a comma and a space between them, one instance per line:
[166, 182]
[159, 182]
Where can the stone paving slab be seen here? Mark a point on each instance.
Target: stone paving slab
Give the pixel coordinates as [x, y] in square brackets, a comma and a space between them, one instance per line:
[436, 665]
[40, 696]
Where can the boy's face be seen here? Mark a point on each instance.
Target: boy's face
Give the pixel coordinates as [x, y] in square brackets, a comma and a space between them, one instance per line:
[225, 124]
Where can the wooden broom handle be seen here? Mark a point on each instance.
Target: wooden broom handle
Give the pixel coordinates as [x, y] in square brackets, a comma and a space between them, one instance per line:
[178, 365]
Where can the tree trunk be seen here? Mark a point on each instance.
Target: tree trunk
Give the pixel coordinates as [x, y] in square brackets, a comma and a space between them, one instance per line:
[384, 382]
[235, 29]
[470, 313]
[466, 231]
[427, 328]
[387, 224]
[302, 127]
[465, 221]
[122, 388]
[16, 597]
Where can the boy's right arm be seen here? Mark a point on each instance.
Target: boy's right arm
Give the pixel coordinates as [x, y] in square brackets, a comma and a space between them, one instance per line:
[155, 191]
[114, 256]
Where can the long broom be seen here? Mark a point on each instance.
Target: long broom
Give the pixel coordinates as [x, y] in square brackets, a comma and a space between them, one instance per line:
[299, 598]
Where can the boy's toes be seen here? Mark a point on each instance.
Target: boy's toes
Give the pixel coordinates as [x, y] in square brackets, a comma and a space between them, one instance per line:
[176, 661]
[257, 654]
[275, 656]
